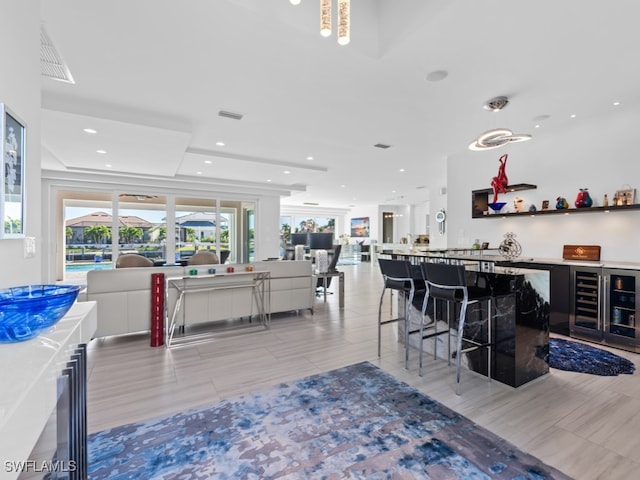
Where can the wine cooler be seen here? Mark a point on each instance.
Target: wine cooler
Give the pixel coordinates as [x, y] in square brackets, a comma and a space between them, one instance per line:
[603, 306]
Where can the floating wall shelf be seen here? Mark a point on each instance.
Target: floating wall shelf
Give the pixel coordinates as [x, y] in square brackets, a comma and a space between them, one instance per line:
[565, 211]
[480, 198]
[480, 205]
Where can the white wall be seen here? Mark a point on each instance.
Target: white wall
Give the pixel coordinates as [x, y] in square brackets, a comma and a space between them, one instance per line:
[438, 200]
[598, 154]
[20, 91]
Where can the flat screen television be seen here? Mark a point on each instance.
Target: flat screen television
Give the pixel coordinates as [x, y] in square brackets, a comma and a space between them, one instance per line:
[299, 239]
[321, 241]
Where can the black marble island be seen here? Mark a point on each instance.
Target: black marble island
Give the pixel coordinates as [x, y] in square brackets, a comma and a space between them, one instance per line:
[520, 324]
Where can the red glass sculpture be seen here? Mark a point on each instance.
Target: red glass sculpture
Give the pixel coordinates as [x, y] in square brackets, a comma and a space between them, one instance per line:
[500, 181]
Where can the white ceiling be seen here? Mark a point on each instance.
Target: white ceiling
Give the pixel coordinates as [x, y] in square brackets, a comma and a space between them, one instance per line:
[151, 75]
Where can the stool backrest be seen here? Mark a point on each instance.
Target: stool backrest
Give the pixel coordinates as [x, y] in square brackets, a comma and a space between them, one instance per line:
[445, 281]
[396, 273]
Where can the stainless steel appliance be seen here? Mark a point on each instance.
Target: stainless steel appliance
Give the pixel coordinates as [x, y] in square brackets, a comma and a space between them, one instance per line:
[603, 306]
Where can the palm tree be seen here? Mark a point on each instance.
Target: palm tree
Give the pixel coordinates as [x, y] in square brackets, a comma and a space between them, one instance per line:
[308, 225]
[129, 234]
[96, 233]
[13, 225]
[285, 232]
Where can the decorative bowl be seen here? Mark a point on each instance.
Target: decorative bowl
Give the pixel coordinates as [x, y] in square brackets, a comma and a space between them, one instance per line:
[497, 206]
[28, 310]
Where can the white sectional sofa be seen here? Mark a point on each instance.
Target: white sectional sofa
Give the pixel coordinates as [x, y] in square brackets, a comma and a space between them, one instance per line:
[123, 295]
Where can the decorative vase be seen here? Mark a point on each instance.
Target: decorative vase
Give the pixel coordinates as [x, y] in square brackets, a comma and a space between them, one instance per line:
[583, 199]
[561, 203]
[497, 206]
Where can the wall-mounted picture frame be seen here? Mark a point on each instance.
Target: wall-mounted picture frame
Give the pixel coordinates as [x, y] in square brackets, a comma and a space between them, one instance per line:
[360, 227]
[12, 152]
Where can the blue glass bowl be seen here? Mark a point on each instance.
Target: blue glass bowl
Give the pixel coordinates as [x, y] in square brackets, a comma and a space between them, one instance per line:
[26, 311]
[497, 206]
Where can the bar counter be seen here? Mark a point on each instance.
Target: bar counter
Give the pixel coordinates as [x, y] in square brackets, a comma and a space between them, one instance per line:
[520, 323]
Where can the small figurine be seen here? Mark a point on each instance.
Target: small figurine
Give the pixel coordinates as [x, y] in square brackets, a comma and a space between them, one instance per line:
[545, 205]
[605, 202]
[533, 208]
[561, 203]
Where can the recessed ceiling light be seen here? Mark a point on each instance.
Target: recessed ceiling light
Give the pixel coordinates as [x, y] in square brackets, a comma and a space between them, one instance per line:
[541, 118]
[393, 191]
[90, 130]
[573, 115]
[536, 126]
[208, 162]
[269, 180]
[108, 165]
[220, 144]
[286, 172]
[343, 186]
[198, 173]
[309, 158]
[101, 151]
[402, 170]
[616, 104]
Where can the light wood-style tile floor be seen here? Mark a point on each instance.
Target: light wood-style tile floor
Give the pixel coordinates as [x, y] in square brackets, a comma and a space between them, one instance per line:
[585, 425]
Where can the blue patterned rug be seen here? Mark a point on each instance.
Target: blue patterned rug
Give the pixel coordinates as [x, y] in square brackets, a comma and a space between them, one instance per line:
[579, 357]
[355, 422]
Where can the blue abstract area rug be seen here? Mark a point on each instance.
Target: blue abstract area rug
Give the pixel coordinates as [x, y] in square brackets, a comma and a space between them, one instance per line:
[579, 357]
[356, 422]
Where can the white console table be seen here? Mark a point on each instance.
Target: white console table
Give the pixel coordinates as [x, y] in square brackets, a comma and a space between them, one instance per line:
[259, 282]
[29, 383]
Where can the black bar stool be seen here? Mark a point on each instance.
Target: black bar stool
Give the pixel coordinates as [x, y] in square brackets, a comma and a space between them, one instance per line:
[448, 283]
[398, 275]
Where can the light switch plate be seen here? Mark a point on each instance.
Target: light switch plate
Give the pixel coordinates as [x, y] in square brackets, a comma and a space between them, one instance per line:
[29, 247]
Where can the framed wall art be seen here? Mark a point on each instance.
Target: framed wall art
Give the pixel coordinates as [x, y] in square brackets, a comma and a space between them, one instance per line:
[360, 227]
[12, 150]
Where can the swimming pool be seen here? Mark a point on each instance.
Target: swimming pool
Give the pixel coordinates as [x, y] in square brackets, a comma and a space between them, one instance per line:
[85, 267]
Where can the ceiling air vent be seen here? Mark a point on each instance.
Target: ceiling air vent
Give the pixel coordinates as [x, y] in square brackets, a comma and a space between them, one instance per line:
[382, 145]
[235, 116]
[51, 63]
[311, 203]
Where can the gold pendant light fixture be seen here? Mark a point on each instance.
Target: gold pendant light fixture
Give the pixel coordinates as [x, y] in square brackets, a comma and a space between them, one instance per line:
[325, 18]
[344, 22]
[344, 19]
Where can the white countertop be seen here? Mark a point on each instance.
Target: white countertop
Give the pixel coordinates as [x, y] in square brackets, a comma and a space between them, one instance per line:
[582, 263]
[28, 381]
